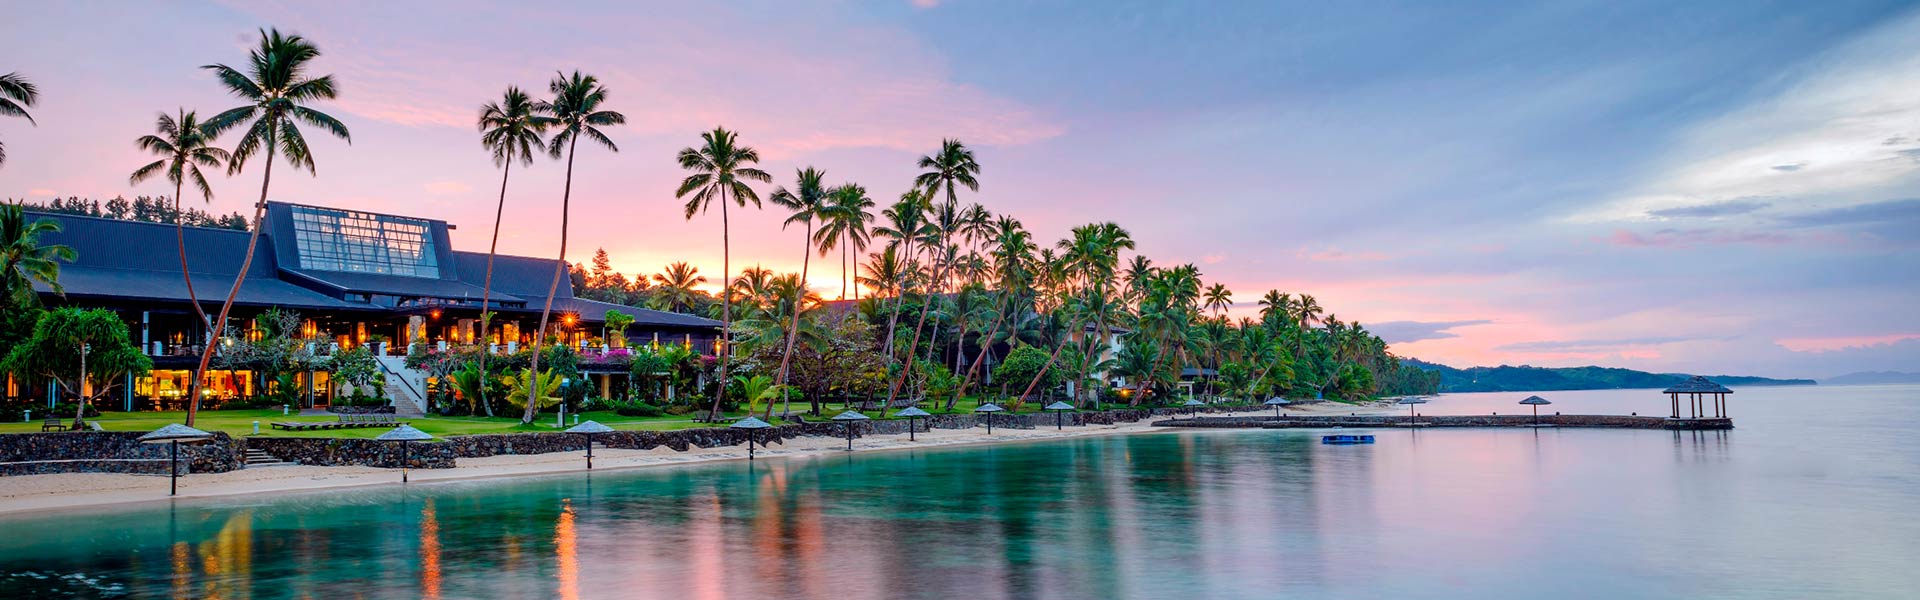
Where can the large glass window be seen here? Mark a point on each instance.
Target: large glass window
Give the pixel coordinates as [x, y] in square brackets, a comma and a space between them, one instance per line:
[355, 242]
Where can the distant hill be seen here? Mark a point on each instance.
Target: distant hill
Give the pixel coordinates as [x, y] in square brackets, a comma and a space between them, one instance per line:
[1541, 379]
[1872, 378]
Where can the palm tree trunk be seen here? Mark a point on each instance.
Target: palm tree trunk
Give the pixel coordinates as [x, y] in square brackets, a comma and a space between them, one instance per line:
[253, 240]
[899, 297]
[180, 236]
[843, 270]
[1043, 370]
[939, 275]
[486, 289]
[559, 269]
[986, 343]
[726, 307]
[799, 295]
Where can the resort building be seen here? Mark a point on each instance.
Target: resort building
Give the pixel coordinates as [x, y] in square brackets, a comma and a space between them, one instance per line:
[386, 282]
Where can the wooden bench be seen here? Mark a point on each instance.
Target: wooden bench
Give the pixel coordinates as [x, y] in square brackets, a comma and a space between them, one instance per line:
[52, 425]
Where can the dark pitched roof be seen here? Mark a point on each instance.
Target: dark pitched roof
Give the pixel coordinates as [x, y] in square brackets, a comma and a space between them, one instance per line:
[596, 311]
[1698, 385]
[132, 259]
[522, 276]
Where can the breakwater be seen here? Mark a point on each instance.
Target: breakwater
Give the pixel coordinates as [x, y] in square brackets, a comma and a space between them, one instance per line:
[1448, 421]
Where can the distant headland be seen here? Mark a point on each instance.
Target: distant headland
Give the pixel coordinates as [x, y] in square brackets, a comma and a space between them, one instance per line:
[1541, 379]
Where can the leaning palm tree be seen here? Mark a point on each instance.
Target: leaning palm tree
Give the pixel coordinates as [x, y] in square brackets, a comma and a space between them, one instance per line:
[24, 260]
[276, 89]
[183, 146]
[16, 94]
[511, 129]
[807, 200]
[721, 169]
[576, 111]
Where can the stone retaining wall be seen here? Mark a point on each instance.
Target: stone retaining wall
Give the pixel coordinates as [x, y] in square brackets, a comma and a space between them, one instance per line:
[112, 452]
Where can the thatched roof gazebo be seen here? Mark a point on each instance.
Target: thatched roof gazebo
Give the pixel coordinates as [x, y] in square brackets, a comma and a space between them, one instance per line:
[1696, 390]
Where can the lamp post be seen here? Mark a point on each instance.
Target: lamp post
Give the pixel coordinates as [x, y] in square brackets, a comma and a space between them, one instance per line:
[1536, 402]
[911, 413]
[1059, 410]
[404, 434]
[1276, 402]
[989, 408]
[849, 418]
[751, 425]
[587, 429]
[173, 435]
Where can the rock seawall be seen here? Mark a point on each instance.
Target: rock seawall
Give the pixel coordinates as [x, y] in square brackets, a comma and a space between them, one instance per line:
[112, 452]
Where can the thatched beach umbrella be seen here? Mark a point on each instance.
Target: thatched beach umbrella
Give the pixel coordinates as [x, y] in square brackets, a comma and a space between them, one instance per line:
[751, 425]
[1193, 407]
[404, 434]
[850, 418]
[911, 413]
[989, 408]
[1536, 402]
[1695, 388]
[588, 429]
[1410, 401]
[1276, 402]
[1059, 410]
[173, 435]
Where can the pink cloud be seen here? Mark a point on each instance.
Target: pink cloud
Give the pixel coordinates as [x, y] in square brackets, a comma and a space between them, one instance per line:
[1337, 255]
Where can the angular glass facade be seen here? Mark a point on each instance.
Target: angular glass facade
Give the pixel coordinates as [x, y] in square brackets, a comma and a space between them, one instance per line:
[356, 242]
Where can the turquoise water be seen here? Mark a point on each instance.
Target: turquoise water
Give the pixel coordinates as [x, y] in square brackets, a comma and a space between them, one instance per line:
[1813, 496]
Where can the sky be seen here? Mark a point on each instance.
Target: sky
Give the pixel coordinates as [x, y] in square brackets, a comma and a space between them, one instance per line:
[1704, 187]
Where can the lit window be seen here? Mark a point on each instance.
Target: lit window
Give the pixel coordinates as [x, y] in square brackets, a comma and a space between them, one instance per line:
[355, 242]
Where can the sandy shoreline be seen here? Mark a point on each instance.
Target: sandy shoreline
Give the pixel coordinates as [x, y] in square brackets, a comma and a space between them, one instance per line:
[65, 491]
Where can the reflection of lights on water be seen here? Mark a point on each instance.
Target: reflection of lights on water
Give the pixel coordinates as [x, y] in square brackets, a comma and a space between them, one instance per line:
[429, 552]
[565, 553]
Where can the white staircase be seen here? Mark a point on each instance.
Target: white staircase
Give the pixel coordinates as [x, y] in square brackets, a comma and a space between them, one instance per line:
[406, 387]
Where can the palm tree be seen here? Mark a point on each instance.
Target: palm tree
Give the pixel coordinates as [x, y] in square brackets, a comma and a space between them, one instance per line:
[1276, 303]
[276, 89]
[16, 94]
[183, 146]
[1218, 298]
[675, 291]
[807, 200]
[721, 172]
[953, 165]
[23, 260]
[844, 226]
[577, 111]
[906, 224]
[511, 129]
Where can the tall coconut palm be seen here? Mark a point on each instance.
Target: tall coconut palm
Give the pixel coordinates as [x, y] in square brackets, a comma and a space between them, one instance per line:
[24, 260]
[183, 146]
[953, 165]
[577, 110]
[906, 224]
[511, 130]
[844, 226]
[674, 289]
[16, 94]
[721, 171]
[806, 201]
[1013, 264]
[1218, 298]
[276, 88]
